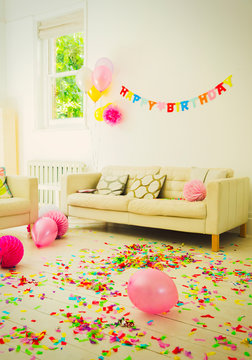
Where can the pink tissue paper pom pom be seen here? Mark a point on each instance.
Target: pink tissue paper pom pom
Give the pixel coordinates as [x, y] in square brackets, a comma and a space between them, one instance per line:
[194, 190]
[11, 251]
[112, 115]
[61, 221]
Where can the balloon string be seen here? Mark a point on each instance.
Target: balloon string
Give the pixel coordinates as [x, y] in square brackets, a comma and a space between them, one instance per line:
[95, 131]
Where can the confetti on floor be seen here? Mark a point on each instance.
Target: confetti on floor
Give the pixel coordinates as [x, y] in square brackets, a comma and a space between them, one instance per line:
[81, 298]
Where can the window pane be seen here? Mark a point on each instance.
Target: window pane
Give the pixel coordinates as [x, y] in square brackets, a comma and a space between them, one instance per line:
[67, 98]
[69, 52]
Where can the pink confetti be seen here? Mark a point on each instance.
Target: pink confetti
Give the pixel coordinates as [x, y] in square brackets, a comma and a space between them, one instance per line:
[200, 339]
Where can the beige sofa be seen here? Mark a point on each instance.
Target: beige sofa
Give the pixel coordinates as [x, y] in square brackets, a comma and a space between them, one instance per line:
[225, 206]
[22, 208]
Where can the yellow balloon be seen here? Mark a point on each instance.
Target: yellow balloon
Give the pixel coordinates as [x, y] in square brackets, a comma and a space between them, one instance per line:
[94, 94]
[99, 112]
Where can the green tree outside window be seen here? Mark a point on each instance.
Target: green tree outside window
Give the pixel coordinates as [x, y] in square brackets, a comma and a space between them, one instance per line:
[68, 98]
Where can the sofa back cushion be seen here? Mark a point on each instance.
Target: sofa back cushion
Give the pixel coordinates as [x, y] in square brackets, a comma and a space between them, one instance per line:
[176, 177]
[132, 171]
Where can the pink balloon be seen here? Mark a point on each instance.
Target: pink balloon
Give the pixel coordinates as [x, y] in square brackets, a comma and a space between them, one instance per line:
[152, 291]
[101, 77]
[105, 62]
[44, 231]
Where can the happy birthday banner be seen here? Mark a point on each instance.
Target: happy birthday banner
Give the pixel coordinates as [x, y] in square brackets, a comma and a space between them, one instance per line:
[182, 105]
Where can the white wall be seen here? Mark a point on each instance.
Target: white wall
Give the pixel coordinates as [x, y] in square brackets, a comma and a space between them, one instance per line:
[2, 54]
[2, 76]
[167, 50]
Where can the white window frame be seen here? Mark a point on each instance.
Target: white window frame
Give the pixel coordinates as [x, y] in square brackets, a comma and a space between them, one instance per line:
[46, 72]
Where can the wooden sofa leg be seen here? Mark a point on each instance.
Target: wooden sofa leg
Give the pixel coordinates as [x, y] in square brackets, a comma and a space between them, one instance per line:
[243, 230]
[29, 234]
[215, 242]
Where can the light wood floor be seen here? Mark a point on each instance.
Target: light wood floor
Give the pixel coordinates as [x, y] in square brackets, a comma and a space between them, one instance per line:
[212, 319]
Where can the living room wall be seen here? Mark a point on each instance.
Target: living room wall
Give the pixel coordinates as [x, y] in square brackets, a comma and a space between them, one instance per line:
[2, 58]
[167, 50]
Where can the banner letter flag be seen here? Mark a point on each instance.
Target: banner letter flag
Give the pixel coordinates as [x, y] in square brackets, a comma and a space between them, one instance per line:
[211, 94]
[129, 95]
[228, 81]
[136, 98]
[124, 91]
[161, 105]
[203, 98]
[193, 100]
[170, 107]
[144, 101]
[220, 88]
[183, 105]
[151, 103]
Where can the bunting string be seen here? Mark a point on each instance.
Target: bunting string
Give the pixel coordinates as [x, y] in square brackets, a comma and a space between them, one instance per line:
[182, 105]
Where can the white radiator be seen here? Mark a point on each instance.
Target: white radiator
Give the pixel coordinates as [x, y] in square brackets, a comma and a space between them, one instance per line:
[49, 176]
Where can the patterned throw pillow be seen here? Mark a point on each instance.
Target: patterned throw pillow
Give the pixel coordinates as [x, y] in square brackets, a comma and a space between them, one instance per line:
[147, 186]
[111, 185]
[4, 190]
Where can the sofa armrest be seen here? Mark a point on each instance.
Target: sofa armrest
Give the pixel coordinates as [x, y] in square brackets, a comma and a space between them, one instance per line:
[27, 188]
[72, 182]
[227, 204]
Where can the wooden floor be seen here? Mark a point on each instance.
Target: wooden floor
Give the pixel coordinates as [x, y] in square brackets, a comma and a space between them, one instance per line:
[66, 301]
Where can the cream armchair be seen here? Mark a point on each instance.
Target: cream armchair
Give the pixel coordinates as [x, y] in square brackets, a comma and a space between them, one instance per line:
[22, 208]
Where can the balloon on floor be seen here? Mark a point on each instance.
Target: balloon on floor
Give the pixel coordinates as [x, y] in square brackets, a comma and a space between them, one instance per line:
[152, 291]
[44, 232]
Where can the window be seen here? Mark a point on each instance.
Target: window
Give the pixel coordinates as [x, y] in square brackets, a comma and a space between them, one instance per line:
[62, 50]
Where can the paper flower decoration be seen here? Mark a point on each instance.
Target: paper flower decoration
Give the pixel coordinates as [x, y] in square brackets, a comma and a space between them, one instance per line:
[61, 221]
[112, 115]
[194, 190]
[11, 251]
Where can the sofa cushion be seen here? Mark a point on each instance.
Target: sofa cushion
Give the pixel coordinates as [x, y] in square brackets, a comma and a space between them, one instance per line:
[206, 175]
[215, 174]
[176, 177]
[198, 173]
[146, 186]
[133, 171]
[111, 184]
[4, 189]
[166, 207]
[14, 206]
[97, 201]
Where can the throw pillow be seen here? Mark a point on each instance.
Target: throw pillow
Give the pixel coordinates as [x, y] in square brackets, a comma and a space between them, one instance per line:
[146, 186]
[199, 174]
[4, 190]
[215, 174]
[207, 175]
[111, 185]
[86, 191]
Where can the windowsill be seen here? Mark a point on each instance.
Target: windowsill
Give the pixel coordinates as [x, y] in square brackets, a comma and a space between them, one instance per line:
[63, 125]
[62, 128]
